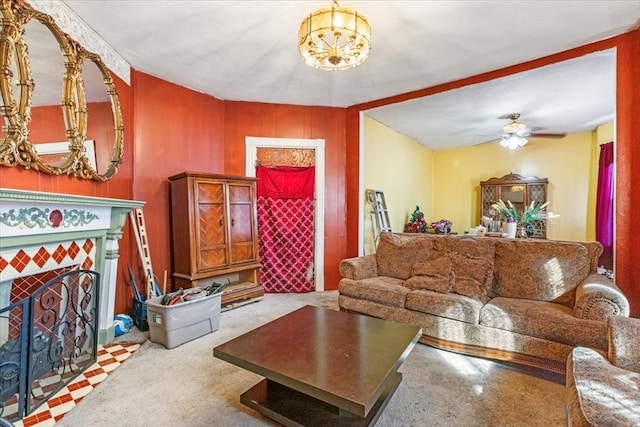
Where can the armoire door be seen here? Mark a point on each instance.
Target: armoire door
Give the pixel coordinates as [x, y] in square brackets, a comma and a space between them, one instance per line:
[242, 246]
[211, 241]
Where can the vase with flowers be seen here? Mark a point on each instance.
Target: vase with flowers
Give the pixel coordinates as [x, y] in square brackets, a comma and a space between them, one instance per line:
[522, 221]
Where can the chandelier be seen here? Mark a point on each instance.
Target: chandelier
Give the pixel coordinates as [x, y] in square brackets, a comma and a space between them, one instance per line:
[335, 39]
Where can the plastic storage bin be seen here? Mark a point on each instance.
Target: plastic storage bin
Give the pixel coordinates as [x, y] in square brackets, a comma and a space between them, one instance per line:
[172, 325]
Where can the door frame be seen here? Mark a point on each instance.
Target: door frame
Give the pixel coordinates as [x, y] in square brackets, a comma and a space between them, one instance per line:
[252, 143]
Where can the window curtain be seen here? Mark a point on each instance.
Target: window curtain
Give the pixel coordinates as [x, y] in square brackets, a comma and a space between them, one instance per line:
[604, 204]
[285, 205]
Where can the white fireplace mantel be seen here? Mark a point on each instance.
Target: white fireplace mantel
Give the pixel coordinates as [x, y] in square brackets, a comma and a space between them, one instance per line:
[33, 225]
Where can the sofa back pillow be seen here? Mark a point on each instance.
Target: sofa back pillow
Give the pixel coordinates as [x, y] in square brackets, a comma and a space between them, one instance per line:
[473, 276]
[434, 275]
[473, 259]
[538, 269]
[397, 253]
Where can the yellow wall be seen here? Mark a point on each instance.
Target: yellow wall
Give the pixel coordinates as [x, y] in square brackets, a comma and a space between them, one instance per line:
[567, 163]
[399, 167]
[446, 184]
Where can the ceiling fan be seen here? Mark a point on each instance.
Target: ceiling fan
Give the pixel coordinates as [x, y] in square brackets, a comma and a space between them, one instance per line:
[515, 133]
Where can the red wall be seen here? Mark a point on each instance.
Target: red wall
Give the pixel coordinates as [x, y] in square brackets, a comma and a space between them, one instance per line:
[54, 131]
[192, 131]
[177, 129]
[627, 246]
[627, 249]
[119, 187]
[294, 121]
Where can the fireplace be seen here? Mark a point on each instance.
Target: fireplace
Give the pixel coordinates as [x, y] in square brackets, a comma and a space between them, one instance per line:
[48, 338]
[44, 234]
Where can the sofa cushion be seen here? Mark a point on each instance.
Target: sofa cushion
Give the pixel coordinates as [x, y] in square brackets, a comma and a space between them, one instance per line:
[396, 254]
[606, 395]
[544, 320]
[383, 290]
[472, 276]
[451, 306]
[433, 275]
[538, 270]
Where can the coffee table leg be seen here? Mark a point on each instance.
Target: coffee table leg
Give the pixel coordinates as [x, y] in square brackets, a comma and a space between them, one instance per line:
[293, 409]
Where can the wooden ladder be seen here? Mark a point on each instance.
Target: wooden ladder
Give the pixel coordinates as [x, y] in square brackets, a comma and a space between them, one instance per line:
[140, 231]
[380, 221]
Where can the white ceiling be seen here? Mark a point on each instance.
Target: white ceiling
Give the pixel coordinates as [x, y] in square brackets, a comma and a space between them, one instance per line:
[247, 51]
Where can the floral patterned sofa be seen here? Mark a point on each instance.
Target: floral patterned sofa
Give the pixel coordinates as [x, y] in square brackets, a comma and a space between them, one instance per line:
[606, 391]
[524, 300]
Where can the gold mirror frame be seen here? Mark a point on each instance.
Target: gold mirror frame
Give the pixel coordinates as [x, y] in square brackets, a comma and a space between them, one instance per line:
[118, 126]
[16, 148]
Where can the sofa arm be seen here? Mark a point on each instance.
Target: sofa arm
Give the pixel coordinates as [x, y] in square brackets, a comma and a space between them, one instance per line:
[578, 362]
[624, 342]
[598, 298]
[599, 393]
[358, 268]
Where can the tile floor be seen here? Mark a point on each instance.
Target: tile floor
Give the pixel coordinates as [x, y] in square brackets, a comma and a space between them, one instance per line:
[110, 356]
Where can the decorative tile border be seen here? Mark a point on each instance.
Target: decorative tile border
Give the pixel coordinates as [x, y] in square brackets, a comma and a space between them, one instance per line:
[36, 217]
[28, 260]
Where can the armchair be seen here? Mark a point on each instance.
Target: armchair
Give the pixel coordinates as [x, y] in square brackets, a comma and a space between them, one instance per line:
[605, 391]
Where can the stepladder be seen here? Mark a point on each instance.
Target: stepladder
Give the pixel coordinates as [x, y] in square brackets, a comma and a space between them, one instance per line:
[379, 213]
[140, 232]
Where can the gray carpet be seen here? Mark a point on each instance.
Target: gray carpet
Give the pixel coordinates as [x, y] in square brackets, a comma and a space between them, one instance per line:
[187, 386]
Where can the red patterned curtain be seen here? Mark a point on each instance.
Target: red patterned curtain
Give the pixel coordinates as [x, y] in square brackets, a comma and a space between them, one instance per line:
[286, 227]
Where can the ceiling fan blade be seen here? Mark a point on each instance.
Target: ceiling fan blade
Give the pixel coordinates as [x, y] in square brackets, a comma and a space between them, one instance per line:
[547, 135]
[486, 142]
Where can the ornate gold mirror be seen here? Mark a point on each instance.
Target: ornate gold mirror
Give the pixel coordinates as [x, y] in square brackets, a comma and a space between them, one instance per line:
[49, 112]
[104, 128]
[60, 106]
[14, 91]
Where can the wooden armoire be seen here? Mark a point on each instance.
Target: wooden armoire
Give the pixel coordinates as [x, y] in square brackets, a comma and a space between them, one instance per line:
[214, 233]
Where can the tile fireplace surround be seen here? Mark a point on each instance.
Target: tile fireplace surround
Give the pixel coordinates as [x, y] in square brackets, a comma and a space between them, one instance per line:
[42, 232]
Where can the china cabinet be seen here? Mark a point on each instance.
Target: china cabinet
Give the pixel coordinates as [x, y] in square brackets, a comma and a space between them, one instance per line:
[520, 191]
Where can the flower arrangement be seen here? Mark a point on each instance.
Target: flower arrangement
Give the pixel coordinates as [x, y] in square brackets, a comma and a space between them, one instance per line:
[442, 227]
[417, 223]
[532, 212]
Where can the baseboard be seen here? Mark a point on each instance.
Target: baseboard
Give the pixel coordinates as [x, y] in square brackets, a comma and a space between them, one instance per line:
[490, 353]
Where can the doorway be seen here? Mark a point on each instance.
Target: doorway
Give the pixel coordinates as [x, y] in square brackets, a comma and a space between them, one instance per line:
[252, 145]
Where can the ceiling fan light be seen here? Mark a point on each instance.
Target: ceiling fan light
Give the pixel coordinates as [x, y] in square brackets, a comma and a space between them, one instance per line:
[512, 141]
[334, 39]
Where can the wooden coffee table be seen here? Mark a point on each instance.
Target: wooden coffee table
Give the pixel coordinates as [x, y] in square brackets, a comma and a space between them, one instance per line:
[322, 367]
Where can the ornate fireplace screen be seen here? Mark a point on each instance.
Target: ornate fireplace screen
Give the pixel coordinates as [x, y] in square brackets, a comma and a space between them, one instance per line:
[47, 340]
